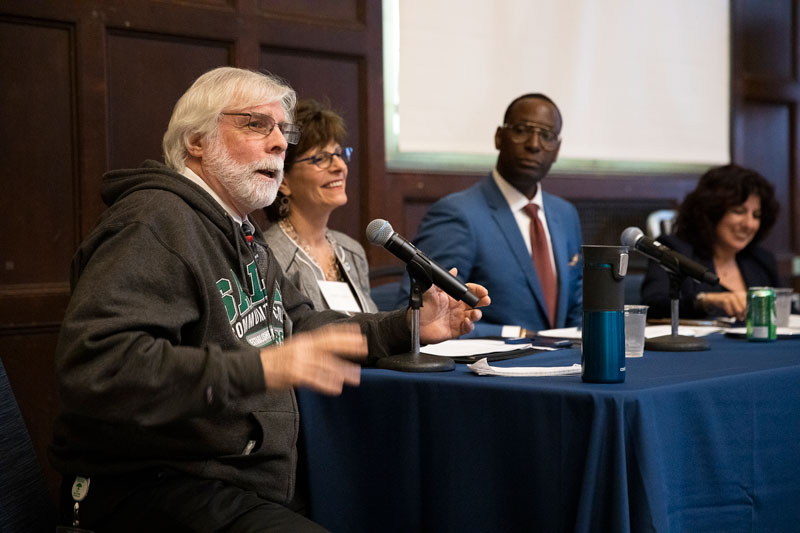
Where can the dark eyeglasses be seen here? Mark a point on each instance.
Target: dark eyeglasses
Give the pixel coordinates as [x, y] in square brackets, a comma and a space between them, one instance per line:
[323, 160]
[522, 133]
[264, 124]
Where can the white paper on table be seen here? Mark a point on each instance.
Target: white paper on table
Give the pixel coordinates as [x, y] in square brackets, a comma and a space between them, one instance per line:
[794, 321]
[561, 333]
[666, 329]
[462, 347]
[781, 332]
[483, 368]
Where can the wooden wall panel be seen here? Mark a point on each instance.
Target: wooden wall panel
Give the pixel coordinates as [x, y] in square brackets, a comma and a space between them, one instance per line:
[607, 204]
[770, 36]
[146, 75]
[315, 10]
[336, 79]
[39, 211]
[766, 100]
[604, 220]
[226, 5]
[37, 206]
[89, 86]
[766, 147]
[28, 359]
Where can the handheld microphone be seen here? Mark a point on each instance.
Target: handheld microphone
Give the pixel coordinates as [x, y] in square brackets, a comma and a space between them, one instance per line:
[668, 258]
[380, 233]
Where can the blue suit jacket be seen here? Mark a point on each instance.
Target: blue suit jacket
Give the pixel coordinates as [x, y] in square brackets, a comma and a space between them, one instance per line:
[475, 231]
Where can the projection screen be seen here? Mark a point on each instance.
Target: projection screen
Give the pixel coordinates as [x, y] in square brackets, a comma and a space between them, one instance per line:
[640, 83]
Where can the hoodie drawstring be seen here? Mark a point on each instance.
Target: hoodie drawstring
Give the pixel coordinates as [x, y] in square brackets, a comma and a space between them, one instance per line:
[248, 235]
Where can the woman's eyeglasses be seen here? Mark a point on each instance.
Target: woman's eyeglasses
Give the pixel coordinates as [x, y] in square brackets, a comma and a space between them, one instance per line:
[324, 160]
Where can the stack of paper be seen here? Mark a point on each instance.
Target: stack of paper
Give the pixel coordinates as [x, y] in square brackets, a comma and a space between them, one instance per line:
[693, 331]
[463, 347]
[466, 347]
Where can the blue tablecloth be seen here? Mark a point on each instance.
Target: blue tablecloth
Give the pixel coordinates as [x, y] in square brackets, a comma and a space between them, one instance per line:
[692, 441]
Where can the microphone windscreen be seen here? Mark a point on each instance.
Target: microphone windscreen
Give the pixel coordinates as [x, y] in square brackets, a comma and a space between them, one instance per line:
[630, 236]
[379, 231]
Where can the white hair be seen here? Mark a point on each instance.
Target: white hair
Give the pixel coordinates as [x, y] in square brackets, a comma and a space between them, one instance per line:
[197, 111]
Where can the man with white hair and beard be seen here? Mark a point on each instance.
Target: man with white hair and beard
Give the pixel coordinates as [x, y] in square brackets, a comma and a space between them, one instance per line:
[183, 341]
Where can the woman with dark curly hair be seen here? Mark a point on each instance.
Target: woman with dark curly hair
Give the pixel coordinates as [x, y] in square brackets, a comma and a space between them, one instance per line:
[719, 225]
[328, 266]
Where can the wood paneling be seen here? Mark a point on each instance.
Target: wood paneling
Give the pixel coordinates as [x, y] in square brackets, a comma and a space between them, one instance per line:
[604, 220]
[607, 203]
[144, 85]
[766, 99]
[767, 147]
[29, 306]
[37, 206]
[768, 35]
[226, 5]
[28, 359]
[338, 80]
[321, 11]
[90, 86]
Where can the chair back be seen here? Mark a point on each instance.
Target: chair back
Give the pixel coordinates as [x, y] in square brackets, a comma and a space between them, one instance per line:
[660, 222]
[25, 504]
[386, 286]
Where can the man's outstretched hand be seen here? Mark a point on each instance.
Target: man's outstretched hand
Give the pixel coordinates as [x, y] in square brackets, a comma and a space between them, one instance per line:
[443, 317]
[322, 359]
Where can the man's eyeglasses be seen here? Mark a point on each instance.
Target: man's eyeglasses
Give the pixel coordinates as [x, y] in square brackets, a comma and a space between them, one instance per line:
[324, 160]
[522, 133]
[264, 124]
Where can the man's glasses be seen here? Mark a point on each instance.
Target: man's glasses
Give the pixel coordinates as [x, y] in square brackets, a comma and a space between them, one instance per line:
[323, 160]
[522, 133]
[264, 124]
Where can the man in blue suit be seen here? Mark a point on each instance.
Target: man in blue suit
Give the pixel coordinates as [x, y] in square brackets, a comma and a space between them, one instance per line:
[487, 231]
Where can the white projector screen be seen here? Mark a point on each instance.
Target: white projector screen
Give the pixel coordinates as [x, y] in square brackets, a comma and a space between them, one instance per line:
[638, 82]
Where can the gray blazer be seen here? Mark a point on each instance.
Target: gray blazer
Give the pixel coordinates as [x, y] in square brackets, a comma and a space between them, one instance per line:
[301, 271]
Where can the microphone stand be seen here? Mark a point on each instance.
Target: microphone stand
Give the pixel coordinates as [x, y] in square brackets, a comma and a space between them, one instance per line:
[415, 361]
[675, 342]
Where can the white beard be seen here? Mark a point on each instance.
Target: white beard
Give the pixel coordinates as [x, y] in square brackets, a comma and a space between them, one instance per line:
[247, 187]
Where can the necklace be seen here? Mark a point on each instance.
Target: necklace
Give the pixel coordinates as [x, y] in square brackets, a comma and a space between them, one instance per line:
[325, 260]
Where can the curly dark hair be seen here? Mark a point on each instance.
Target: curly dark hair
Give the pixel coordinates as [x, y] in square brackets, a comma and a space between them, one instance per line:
[718, 190]
[319, 125]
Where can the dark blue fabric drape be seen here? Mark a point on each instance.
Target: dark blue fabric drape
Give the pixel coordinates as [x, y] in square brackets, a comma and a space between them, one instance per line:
[692, 441]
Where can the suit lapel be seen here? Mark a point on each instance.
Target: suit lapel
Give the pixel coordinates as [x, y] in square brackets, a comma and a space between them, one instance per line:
[506, 226]
[555, 227]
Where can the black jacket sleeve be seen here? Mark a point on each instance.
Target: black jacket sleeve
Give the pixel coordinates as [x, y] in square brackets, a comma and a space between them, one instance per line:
[757, 265]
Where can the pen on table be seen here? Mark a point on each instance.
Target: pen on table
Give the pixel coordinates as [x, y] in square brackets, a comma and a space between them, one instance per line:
[520, 340]
[721, 322]
[556, 343]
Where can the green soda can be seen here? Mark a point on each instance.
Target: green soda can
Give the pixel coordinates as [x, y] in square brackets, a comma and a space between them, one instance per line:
[761, 318]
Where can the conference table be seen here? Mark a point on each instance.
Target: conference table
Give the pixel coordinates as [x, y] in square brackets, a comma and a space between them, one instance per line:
[691, 441]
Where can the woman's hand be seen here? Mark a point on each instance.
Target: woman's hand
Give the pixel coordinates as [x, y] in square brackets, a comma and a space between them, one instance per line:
[731, 303]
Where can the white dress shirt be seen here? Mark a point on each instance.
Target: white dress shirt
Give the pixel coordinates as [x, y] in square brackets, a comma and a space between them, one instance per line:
[517, 202]
[190, 174]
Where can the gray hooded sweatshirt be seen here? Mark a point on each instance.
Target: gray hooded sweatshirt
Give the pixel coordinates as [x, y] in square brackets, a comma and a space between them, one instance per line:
[158, 355]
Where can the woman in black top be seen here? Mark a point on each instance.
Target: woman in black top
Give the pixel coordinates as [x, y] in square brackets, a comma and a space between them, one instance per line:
[719, 225]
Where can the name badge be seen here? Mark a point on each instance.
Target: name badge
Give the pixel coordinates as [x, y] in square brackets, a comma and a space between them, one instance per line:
[338, 296]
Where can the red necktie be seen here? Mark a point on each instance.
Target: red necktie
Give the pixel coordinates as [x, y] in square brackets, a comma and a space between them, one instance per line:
[541, 261]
